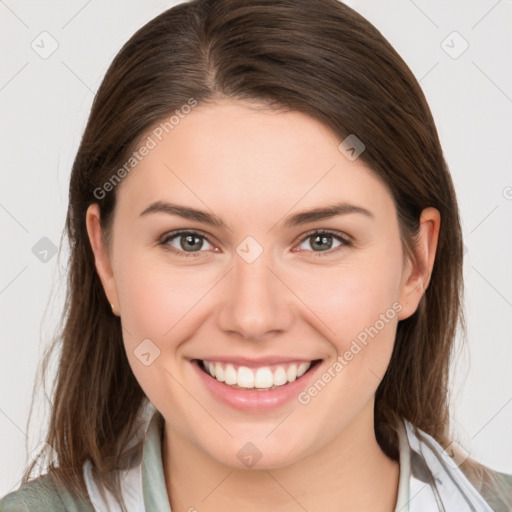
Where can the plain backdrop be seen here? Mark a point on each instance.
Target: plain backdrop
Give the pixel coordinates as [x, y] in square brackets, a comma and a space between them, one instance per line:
[45, 100]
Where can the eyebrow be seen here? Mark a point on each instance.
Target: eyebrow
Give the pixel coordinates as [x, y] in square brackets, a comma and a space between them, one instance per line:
[297, 219]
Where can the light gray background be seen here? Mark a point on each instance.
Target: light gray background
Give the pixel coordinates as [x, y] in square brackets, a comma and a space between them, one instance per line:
[45, 104]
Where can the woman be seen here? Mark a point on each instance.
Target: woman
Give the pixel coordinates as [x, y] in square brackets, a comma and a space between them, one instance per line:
[265, 278]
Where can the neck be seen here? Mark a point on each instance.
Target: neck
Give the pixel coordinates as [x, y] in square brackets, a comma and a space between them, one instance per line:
[351, 473]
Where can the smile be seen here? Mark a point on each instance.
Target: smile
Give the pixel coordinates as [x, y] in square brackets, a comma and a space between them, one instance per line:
[264, 378]
[257, 388]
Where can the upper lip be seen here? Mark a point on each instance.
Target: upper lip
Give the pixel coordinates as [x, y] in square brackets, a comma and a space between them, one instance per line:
[260, 361]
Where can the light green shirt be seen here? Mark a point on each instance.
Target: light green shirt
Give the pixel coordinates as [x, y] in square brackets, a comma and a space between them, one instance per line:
[428, 481]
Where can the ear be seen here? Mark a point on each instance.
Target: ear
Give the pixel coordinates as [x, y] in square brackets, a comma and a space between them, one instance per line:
[416, 274]
[101, 255]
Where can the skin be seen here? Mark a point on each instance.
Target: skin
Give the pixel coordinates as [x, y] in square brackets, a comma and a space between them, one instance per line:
[253, 168]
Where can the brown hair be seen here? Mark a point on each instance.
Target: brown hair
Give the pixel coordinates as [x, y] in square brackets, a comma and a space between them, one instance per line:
[324, 60]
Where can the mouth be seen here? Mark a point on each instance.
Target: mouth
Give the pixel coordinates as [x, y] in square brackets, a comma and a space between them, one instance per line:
[263, 378]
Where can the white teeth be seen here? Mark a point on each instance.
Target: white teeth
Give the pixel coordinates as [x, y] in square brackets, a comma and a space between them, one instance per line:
[219, 372]
[302, 369]
[280, 376]
[245, 377]
[291, 374]
[262, 378]
[230, 375]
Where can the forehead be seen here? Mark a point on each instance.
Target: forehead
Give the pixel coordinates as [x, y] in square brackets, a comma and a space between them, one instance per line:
[239, 157]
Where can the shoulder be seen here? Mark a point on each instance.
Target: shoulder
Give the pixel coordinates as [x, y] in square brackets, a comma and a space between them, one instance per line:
[458, 477]
[42, 495]
[494, 486]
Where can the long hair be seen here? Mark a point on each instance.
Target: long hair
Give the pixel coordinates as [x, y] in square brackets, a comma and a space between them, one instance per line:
[320, 58]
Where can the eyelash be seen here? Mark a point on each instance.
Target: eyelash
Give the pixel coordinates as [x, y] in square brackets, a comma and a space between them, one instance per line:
[346, 242]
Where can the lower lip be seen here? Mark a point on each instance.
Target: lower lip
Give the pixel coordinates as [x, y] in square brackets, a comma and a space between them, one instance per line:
[252, 400]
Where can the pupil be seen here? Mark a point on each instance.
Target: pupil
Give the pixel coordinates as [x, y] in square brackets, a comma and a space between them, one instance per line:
[323, 241]
[189, 238]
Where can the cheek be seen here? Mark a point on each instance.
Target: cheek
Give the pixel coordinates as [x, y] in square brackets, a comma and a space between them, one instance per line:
[156, 302]
[356, 309]
[350, 298]
[155, 295]
[162, 306]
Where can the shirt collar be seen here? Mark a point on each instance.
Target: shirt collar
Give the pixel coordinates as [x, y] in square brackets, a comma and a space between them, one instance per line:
[153, 480]
[434, 481]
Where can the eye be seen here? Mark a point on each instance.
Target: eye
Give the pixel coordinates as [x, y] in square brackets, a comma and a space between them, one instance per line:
[188, 242]
[322, 240]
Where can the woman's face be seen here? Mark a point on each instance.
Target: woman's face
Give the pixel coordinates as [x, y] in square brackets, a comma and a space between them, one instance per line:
[257, 288]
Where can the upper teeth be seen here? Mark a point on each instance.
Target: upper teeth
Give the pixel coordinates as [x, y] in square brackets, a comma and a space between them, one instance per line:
[261, 378]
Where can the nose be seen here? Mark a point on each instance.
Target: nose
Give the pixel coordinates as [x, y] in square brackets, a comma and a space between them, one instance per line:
[257, 304]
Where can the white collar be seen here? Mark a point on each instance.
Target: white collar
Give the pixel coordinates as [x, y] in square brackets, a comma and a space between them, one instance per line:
[435, 482]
